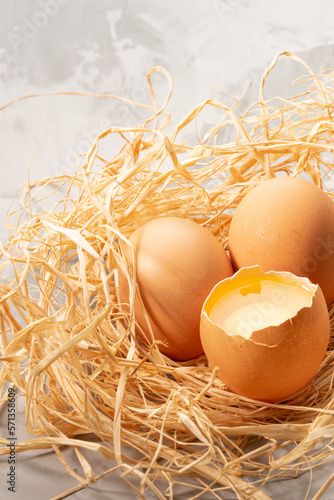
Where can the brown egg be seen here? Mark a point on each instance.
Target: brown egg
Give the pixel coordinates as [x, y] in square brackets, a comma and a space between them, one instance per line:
[286, 224]
[267, 332]
[178, 263]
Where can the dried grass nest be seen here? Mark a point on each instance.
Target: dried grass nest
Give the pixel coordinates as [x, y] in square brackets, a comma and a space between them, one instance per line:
[64, 340]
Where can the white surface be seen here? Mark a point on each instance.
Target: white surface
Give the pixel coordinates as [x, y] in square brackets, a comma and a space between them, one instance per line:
[108, 46]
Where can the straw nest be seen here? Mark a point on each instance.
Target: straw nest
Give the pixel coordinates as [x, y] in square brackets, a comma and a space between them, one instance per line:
[68, 346]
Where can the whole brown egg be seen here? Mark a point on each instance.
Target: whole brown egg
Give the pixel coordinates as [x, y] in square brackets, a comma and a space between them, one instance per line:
[286, 224]
[177, 264]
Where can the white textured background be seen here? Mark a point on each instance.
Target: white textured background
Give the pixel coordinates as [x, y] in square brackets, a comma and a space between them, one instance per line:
[107, 46]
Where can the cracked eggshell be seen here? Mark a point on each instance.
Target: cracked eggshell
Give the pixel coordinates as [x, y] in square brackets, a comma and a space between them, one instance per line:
[286, 224]
[276, 361]
[177, 263]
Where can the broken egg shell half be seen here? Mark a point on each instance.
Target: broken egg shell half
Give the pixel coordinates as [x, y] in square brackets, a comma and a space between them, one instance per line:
[278, 351]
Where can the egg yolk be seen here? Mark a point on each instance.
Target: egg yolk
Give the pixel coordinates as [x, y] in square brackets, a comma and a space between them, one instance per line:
[246, 309]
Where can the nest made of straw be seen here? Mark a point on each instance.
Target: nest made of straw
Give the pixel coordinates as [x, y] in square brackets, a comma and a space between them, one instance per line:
[72, 351]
